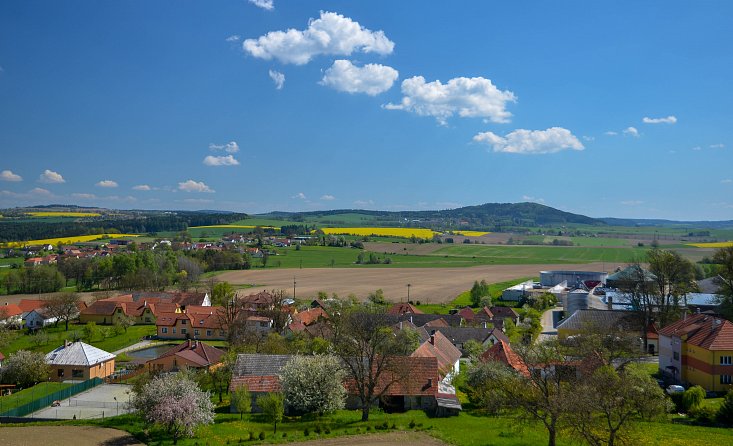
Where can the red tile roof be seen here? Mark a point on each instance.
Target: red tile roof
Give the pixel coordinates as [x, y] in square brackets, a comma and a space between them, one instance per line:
[308, 317]
[194, 351]
[10, 310]
[467, 314]
[403, 308]
[502, 352]
[504, 312]
[407, 375]
[28, 305]
[440, 347]
[257, 384]
[703, 330]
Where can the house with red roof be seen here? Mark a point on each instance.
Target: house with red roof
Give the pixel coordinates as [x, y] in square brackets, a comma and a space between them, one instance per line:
[502, 352]
[191, 324]
[11, 315]
[192, 353]
[440, 347]
[698, 350]
[403, 308]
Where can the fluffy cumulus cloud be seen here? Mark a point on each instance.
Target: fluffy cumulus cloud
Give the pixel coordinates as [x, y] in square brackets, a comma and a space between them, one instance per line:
[278, 78]
[330, 34]
[142, 187]
[531, 142]
[327, 197]
[474, 97]
[230, 147]
[194, 186]
[264, 4]
[8, 175]
[51, 177]
[107, 183]
[668, 120]
[371, 79]
[217, 161]
[631, 131]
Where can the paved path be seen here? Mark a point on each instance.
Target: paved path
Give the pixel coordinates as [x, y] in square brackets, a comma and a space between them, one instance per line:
[140, 345]
[548, 324]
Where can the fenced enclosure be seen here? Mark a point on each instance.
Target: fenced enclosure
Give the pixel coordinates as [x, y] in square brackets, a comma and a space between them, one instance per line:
[47, 400]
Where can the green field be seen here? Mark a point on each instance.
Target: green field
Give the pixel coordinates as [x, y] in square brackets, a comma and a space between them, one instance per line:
[57, 335]
[542, 254]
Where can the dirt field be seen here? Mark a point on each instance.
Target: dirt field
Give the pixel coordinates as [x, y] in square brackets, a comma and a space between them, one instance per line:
[428, 285]
[65, 435]
[394, 438]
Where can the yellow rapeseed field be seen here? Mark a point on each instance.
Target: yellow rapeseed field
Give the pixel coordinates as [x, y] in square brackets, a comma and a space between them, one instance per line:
[711, 245]
[65, 240]
[63, 214]
[386, 232]
[471, 233]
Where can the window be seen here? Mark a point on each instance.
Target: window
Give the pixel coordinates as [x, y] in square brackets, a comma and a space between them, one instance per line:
[196, 332]
[184, 331]
[78, 373]
[184, 321]
[174, 330]
[208, 333]
[147, 319]
[61, 373]
[164, 330]
[726, 360]
[675, 356]
[725, 379]
[221, 332]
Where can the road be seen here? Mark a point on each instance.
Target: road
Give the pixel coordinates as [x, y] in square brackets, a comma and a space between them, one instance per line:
[549, 318]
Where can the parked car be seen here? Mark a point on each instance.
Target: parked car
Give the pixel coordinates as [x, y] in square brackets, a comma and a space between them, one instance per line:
[674, 388]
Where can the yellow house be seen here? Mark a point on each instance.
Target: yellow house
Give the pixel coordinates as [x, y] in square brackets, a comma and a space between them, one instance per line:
[698, 350]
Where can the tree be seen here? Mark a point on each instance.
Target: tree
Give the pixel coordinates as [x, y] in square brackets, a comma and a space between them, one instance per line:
[692, 398]
[124, 322]
[273, 407]
[64, 307]
[365, 343]
[609, 400]
[478, 292]
[175, 403]
[25, 368]
[314, 384]
[723, 257]
[377, 297]
[220, 376]
[91, 331]
[242, 400]
[725, 412]
[473, 349]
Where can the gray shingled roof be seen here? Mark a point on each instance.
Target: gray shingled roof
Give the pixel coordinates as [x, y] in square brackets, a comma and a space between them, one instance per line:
[77, 353]
[600, 319]
[259, 365]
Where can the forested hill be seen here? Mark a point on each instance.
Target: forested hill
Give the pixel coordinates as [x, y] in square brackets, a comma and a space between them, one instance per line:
[489, 216]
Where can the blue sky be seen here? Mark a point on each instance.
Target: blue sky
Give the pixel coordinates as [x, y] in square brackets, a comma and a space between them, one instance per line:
[616, 109]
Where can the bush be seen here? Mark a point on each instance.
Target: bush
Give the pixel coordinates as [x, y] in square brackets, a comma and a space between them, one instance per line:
[262, 435]
[317, 429]
[285, 435]
[692, 398]
[725, 413]
[705, 414]
[412, 424]
[306, 432]
[327, 431]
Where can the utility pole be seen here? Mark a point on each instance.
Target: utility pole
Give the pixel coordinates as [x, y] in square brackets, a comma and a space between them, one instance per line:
[293, 287]
[408, 292]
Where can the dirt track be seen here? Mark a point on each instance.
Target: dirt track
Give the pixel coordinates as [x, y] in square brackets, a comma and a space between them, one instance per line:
[428, 285]
[64, 435]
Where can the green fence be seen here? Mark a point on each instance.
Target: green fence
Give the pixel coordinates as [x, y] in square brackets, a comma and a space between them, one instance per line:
[45, 401]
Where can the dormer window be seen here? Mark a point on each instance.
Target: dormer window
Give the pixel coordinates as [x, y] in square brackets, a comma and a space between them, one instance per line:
[183, 322]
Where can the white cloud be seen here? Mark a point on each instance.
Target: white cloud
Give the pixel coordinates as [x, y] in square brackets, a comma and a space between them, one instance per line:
[264, 4]
[216, 161]
[611, 133]
[84, 196]
[230, 147]
[51, 177]
[107, 183]
[234, 38]
[726, 181]
[39, 191]
[330, 34]
[194, 186]
[632, 202]
[717, 146]
[8, 175]
[533, 199]
[300, 195]
[552, 140]
[631, 131]
[364, 203]
[371, 79]
[278, 78]
[474, 97]
[668, 120]
[327, 197]
[143, 187]
[697, 148]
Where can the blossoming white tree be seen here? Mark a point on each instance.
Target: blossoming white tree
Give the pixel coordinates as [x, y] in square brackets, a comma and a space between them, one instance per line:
[176, 403]
[314, 384]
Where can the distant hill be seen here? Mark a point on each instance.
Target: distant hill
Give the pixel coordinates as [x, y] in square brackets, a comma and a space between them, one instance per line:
[492, 216]
[723, 224]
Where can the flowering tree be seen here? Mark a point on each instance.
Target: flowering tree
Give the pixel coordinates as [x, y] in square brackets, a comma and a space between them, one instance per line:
[25, 368]
[176, 403]
[314, 383]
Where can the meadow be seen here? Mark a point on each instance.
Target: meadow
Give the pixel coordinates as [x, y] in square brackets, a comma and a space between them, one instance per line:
[57, 335]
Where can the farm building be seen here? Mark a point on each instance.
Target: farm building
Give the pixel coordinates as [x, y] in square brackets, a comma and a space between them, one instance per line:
[574, 279]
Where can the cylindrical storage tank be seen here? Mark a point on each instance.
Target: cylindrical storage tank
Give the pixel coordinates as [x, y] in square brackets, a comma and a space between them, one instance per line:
[577, 300]
[552, 278]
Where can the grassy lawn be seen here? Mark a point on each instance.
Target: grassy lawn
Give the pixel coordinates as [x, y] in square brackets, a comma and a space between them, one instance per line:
[467, 429]
[542, 254]
[57, 335]
[30, 394]
[464, 299]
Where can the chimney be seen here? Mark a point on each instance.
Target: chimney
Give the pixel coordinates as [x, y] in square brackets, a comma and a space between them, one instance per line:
[430, 382]
[432, 339]
[411, 319]
[609, 302]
